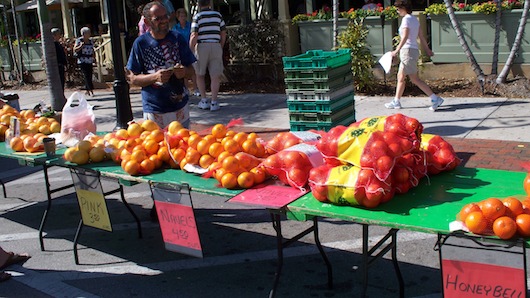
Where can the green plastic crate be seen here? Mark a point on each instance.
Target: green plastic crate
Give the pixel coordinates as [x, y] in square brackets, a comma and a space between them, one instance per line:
[303, 126]
[319, 94]
[326, 117]
[317, 73]
[331, 84]
[318, 59]
[328, 106]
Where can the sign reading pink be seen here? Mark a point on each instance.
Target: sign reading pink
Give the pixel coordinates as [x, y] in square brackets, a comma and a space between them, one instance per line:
[268, 195]
[177, 223]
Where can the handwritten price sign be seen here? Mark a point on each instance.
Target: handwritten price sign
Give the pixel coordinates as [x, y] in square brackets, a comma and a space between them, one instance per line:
[268, 195]
[177, 222]
[93, 209]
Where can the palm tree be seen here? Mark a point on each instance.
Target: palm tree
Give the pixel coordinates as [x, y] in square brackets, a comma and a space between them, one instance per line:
[516, 44]
[495, 60]
[456, 26]
[48, 48]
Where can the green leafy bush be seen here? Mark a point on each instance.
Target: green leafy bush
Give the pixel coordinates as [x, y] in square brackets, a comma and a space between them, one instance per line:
[487, 7]
[354, 38]
[389, 12]
[260, 42]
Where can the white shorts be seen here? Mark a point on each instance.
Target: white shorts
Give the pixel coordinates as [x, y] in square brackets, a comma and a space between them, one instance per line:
[209, 57]
[409, 60]
[163, 120]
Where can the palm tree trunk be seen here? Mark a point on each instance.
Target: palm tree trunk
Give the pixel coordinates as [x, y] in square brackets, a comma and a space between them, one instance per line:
[50, 56]
[516, 44]
[460, 35]
[495, 63]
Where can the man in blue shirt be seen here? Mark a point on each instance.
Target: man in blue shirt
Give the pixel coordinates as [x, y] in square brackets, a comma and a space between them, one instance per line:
[159, 61]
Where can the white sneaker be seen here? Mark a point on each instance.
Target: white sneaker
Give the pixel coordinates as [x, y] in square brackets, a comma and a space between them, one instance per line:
[197, 93]
[394, 104]
[436, 103]
[203, 104]
[214, 106]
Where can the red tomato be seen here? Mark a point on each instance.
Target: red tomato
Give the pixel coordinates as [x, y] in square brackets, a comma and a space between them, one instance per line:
[384, 163]
[273, 162]
[374, 194]
[403, 187]
[291, 159]
[400, 174]
[291, 142]
[364, 178]
[320, 192]
[387, 196]
[297, 178]
[394, 149]
[413, 125]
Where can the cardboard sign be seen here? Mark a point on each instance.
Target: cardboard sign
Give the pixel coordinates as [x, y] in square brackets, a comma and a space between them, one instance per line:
[268, 195]
[93, 209]
[468, 279]
[177, 222]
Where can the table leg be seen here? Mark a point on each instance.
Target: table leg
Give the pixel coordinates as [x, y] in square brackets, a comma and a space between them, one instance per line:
[368, 257]
[4, 188]
[138, 223]
[76, 238]
[281, 244]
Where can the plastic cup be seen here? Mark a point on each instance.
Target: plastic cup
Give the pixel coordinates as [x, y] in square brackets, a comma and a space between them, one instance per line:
[49, 146]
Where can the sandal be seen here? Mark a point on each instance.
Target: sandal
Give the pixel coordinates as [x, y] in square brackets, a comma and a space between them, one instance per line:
[15, 259]
[4, 276]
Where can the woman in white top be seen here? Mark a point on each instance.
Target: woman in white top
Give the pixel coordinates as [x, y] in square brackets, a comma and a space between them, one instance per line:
[408, 51]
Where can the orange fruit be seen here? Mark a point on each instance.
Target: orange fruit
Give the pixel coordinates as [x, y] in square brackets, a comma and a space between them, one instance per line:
[219, 131]
[513, 206]
[476, 222]
[223, 155]
[55, 127]
[231, 133]
[205, 161]
[464, 212]
[240, 137]
[526, 206]
[156, 160]
[229, 181]
[97, 154]
[232, 146]
[129, 144]
[203, 146]
[138, 156]
[84, 146]
[183, 163]
[252, 136]
[215, 149]
[230, 164]
[260, 175]
[150, 125]
[245, 180]
[260, 151]
[134, 130]
[214, 166]
[151, 146]
[523, 225]
[504, 227]
[244, 160]
[147, 166]
[249, 146]
[183, 133]
[174, 127]
[131, 167]
[32, 145]
[178, 154]
[122, 134]
[69, 153]
[145, 134]
[219, 173]
[80, 157]
[16, 144]
[157, 135]
[125, 155]
[193, 140]
[492, 209]
[192, 156]
[163, 154]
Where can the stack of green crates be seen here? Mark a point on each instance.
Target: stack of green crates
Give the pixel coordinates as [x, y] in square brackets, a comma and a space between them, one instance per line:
[319, 88]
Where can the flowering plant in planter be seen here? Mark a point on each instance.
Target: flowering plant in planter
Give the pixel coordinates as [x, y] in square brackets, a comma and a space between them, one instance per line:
[488, 7]
[325, 13]
[27, 39]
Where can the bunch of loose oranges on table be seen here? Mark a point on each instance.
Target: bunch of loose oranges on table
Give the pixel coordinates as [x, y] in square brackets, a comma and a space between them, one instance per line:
[506, 218]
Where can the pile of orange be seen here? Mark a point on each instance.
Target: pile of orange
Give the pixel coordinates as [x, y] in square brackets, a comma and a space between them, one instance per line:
[91, 150]
[504, 218]
[29, 124]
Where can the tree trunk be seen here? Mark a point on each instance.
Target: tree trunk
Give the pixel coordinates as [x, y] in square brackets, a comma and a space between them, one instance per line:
[516, 44]
[50, 56]
[456, 26]
[498, 15]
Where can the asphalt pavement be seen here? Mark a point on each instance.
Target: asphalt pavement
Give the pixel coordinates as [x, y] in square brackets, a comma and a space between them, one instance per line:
[238, 241]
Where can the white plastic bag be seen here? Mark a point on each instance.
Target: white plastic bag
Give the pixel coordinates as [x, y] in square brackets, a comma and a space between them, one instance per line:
[386, 61]
[77, 121]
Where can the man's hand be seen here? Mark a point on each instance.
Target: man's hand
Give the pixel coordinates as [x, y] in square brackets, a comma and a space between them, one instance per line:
[163, 75]
[179, 71]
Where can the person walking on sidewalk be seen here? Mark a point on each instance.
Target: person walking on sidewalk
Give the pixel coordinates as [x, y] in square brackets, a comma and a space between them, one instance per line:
[208, 36]
[59, 51]
[84, 50]
[408, 51]
[159, 61]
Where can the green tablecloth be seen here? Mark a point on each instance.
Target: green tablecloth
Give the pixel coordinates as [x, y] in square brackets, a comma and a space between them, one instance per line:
[429, 208]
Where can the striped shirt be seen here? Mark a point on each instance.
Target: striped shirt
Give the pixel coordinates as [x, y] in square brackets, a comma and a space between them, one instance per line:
[208, 24]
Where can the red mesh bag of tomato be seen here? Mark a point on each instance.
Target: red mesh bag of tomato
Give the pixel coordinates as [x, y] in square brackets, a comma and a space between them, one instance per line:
[349, 185]
[439, 154]
[292, 165]
[373, 143]
[284, 140]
